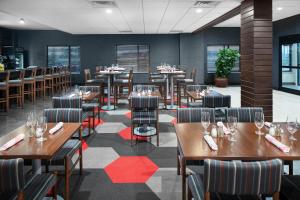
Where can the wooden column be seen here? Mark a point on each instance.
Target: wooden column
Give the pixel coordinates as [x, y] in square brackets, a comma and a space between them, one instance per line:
[256, 55]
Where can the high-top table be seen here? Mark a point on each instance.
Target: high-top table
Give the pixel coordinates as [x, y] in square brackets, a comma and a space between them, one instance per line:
[248, 146]
[170, 74]
[110, 74]
[30, 148]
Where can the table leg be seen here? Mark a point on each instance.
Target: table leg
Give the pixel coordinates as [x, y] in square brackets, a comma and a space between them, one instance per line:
[183, 174]
[108, 106]
[37, 166]
[167, 87]
[172, 106]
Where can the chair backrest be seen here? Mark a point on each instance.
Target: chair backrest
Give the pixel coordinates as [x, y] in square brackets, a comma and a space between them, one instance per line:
[16, 75]
[244, 114]
[49, 70]
[67, 115]
[212, 101]
[193, 74]
[87, 74]
[12, 175]
[242, 178]
[195, 87]
[140, 78]
[143, 87]
[98, 68]
[30, 73]
[90, 88]
[67, 102]
[189, 115]
[40, 71]
[144, 102]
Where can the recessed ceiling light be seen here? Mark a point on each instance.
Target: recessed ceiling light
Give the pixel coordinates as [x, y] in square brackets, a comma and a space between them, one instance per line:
[279, 8]
[22, 21]
[198, 10]
[108, 10]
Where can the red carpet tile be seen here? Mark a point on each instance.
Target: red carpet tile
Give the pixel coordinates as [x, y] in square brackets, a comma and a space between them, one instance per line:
[97, 122]
[126, 135]
[101, 111]
[131, 169]
[111, 100]
[128, 115]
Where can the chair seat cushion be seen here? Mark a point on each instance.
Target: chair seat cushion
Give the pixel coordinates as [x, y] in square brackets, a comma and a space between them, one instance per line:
[69, 149]
[94, 81]
[16, 81]
[3, 84]
[28, 79]
[195, 104]
[144, 117]
[89, 106]
[157, 76]
[39, 78]
[158, 81]
[36, 188]
[186, 80]
[121, 81]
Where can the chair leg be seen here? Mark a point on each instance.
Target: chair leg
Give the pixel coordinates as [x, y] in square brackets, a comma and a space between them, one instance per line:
[178, 162]
[67, 178]
[80, 161]
[54, 191]
[276, 196]
[190, 196]
[157, 134]
[131, 135]
[7, 100]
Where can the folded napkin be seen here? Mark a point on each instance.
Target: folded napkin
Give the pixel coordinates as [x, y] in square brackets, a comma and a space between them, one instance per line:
[12, 142]
[211, 142]
[278, 144]
[56, 127]
[268, 124]
[72, 95]
[87, 93]
[225, 129]
[202, 93]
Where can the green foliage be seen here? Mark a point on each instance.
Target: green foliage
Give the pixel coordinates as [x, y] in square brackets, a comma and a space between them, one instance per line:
[226, 61]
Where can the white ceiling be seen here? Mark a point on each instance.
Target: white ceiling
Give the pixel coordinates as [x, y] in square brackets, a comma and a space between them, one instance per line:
[129, 16]
[288, 8]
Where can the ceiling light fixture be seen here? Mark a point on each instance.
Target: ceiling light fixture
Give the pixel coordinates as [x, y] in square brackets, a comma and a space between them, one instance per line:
[108, 11]
[198, 10]
[279, 8]
[22, 21]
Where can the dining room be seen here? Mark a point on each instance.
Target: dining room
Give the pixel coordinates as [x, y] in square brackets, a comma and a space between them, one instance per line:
[149, 99]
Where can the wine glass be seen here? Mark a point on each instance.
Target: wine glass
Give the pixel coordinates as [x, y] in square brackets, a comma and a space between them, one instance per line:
[41, 128]
[197, 91]
[292, 128]
[232, 125]
[259, 122]
[205, 121]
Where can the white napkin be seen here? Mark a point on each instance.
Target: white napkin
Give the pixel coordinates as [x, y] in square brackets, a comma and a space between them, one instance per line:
[268, 124]
[87, 93]
[72, 95]
[56, 127]
[211, 142]
[225, 129]
[12, 142]
[278, 144]
[202, 93]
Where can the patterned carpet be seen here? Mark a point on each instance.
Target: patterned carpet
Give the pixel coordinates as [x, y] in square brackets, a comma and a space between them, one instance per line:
[113, 169]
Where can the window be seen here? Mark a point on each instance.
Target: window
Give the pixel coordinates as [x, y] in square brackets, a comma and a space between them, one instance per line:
[134, 57]
[212, 51]
[64, 56]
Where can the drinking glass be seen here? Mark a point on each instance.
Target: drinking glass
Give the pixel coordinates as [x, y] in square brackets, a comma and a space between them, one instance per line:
[41, 128]
[292, 128]
[76, 90]
[205, 121]
[259, 122]
[197, 91]
[232, 125]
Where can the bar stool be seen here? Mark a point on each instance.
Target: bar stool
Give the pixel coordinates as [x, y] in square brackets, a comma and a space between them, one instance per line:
[98, 81]
[48, 83]
[68, 76]
[16, 86]
[63, 78]
[4, 89]
[40, 81]
[182, 83]
[56, 79]
[29, 83]
[121, 83]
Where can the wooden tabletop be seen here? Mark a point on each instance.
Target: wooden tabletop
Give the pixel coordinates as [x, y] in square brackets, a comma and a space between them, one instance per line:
[30, 148]
[248, 146]
[195, 96]
[153, 94]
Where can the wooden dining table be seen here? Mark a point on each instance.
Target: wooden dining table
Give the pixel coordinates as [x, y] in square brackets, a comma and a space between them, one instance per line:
[31, 149]
[248, 146]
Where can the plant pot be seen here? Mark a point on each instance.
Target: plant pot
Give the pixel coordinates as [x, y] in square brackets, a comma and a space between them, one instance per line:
[221, 82]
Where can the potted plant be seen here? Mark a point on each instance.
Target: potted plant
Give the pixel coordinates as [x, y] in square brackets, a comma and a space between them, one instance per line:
[1, 64]
[224, 64]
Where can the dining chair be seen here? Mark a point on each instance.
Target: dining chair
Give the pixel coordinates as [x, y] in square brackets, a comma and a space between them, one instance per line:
[13, 184]
[190, 101]
[63, 78]
[56, 79]
[144, 111]
[191, 115]
[72, 102]
[48, 83]
[4, 89]
[181, 84]
[121, 83]
[235, 180]
[290, 189]
[244, 114]
[40, 81]
[219, 102]
[29, 83]
[68, 75]
[69, 149]
[16, 86]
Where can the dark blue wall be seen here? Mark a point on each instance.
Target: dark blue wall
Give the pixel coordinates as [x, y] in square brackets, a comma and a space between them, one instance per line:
[285, 27]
